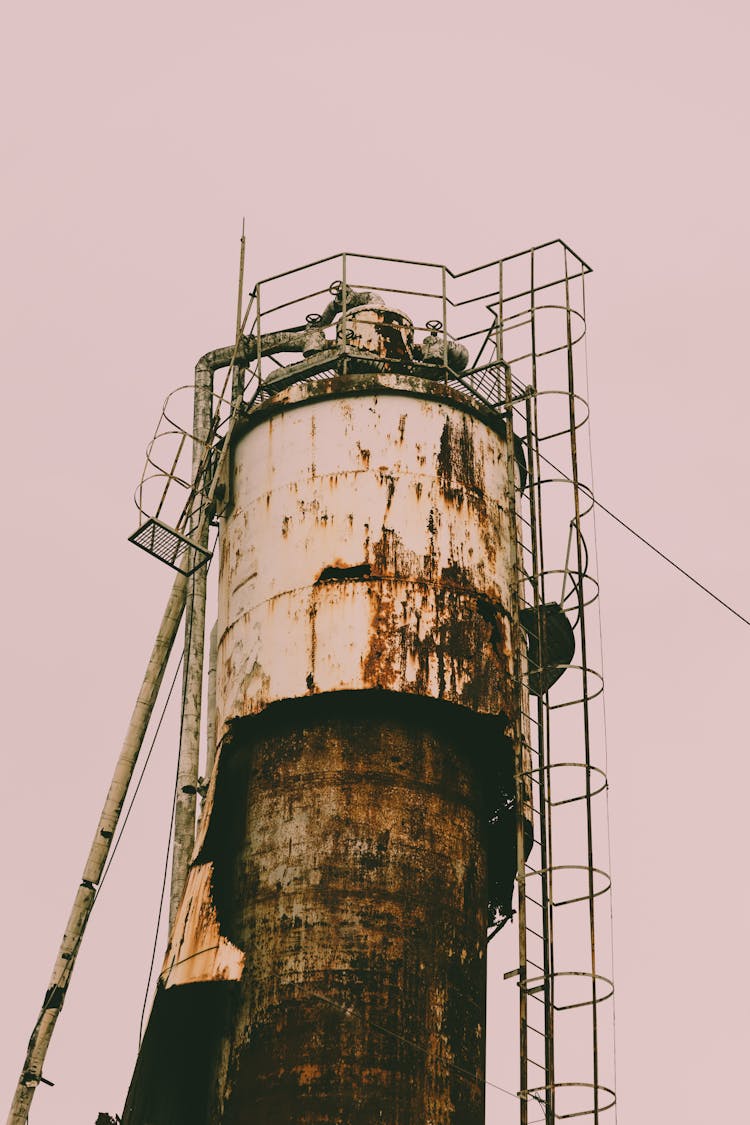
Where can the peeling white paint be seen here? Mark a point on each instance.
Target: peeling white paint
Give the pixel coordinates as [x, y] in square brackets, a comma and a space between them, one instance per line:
[374, 485]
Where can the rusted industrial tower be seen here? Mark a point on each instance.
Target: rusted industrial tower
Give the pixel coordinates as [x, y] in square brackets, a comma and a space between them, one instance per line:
[380, 770]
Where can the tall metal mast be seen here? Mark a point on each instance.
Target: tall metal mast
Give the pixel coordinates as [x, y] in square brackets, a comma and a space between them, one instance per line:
[195, 616]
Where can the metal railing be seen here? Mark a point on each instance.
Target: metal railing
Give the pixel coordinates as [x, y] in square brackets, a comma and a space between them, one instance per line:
[564, 972]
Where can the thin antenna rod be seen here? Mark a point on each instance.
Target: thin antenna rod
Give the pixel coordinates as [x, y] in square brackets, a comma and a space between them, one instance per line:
[241, 284]
[238, 377]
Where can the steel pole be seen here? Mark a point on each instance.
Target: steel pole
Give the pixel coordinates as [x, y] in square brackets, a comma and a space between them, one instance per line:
[31, 1075]
[195, 630]
[211, 702]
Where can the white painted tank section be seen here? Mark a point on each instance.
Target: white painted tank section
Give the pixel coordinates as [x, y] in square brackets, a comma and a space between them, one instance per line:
[404, 493]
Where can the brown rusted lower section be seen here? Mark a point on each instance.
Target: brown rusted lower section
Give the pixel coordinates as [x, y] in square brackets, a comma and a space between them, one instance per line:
[348, 838]
[358, 886]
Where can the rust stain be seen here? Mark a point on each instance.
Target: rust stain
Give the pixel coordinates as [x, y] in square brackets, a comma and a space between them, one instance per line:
[389, 480]
[460, 468]
[391, 558]
[353, 831]
[382, 654]
[422, 631]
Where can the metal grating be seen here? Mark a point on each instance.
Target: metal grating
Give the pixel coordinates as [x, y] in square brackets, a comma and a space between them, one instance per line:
[166, 544]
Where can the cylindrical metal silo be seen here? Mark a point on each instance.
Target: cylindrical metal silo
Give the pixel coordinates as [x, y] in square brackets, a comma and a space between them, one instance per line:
[365, 687]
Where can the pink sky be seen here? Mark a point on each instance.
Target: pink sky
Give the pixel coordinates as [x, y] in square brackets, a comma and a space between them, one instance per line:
[135, 140]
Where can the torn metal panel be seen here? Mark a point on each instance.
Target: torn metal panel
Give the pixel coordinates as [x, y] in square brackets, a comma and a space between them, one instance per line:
[197, 951]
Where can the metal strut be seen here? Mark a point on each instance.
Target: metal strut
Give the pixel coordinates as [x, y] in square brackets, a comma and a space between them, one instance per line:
[31, 1076]
[32, 1073]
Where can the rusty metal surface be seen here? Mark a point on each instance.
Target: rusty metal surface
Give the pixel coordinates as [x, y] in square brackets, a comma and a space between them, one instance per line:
[366, 575]
[353, 831]
[386, 333]
[366, 547]
[339, 888]
[344, 859]
[366, 684]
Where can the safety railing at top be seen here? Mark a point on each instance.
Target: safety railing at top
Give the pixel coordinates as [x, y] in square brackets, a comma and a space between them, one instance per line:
[456, 307]
[484, 309]
[178, 486]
